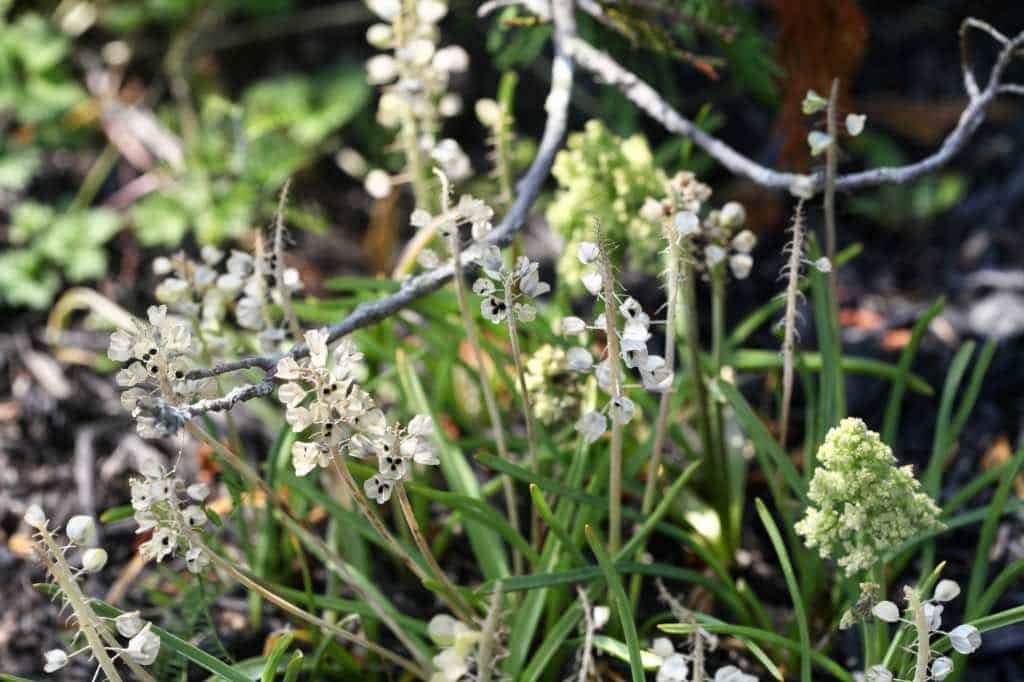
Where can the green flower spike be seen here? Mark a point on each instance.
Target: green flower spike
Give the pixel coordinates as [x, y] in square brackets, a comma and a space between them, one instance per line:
[864, 505]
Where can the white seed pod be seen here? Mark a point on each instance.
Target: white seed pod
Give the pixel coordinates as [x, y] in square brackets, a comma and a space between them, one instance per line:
[622, 410]
[941, 668]
[946, 590]
[741, 264]
[587, 252]
[732, 215]
[54, 660]
[933, 614]
[129, 624]
[35, 517]
[662, 647]
[744, 241]
[144, 647]
[887, 611]
[579, 359]
[81, 530]
[381, 69]
[813, 103]
[571, 326]
[385, 9]
[380, 36]
[673, 669]
[823, 265]
[601, 615]
[855, 124]
[592, 281]
[819, 142]
[198, 491]
[878, 673]
[94, 559]
[377, 184]
[592, 426]
[442, 629]
[965, 639]
[686, 223]
[714, 255]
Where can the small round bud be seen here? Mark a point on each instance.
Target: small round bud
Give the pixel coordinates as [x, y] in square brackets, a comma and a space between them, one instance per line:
[732, 215]
[116, 53]
[878, 673]
[451, 59]
[450, 105]
[652, 210]
[965, 639]
[94, 559]
[802, 187]
[573, 325]
[385, 9]
[823, 264]
[377, 184]
[714, 255]
[431, 11]
[887, 611]
[380, 36]
[819, 142]
[741, 264]
[686, 223]
[813, 103]
[198, 491]
[81, 530]
[35, 517]
[745, 241]
[941, 668]
[129, 624]
[488, 112]
[662, 646]
[855, 124]
[946, 590]
[54, 660]
[380, 69]
[601, 616]
[588, 252]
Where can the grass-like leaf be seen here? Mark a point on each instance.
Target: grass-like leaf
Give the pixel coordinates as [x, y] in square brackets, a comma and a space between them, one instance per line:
[621, 601]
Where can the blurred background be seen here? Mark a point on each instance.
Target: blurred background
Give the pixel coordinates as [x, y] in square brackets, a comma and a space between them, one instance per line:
[136, 128]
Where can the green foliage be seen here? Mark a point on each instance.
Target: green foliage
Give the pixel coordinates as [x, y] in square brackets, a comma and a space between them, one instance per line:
[245, 150]
[603, 181]
[47, 248]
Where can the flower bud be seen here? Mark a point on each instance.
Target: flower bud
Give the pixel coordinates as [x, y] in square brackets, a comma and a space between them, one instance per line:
[946, 590]
[81, 530]
[129, 624]
[587, 252]
[941, 668]
[686, 223]
[54, 660]
[35, 517]
[572, 326]
[965, 639]
[813, 103]
[855, 124]
[377, 184]
[380, 36]
[488, 112]
[887, 611]
[732, 215]
[94, 559]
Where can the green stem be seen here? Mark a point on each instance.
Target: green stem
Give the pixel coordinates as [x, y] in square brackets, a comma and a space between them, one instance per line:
[615, 460]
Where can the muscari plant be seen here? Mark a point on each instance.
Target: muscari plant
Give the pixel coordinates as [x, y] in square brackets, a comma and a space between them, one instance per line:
[374, 473]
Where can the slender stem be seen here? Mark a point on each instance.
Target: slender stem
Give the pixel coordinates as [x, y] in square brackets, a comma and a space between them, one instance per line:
[279, 267]
[88, 622]
[718, 433]
[665, 403]
[497, 428]
[796, 250]
[489, 637]
[615, 459]
[831, 163]
[250, 475]
[371, 514]
[302, 614]
[531, 435]
[458, 602]
[696, 369]
[924, 651]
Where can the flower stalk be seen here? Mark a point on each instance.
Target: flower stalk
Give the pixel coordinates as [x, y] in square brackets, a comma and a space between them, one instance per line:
[615, 375]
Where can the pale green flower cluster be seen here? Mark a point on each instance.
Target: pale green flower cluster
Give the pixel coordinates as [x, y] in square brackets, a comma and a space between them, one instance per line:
[554, 391]
[605, 179]
[865, 506]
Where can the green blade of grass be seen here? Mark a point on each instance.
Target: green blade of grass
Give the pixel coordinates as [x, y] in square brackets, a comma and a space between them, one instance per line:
[764, 444]
[754, 359]
[557, 528]
[979, 573]
[486, 545]
[621, 601]
[895, 404]
[618, 649]
[794, 589]
[940, 444]
[274, 659]
[294, 667]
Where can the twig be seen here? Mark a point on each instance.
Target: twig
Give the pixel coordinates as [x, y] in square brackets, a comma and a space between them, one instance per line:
[644, 96]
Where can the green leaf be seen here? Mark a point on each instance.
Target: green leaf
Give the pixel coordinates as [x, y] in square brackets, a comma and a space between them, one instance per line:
[892, 409]
[274, 660]
[751, 359]
[619, 650]
[621, 601]
[794, 589]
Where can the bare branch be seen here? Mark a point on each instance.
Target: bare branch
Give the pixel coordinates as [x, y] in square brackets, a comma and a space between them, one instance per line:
[602, 65]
